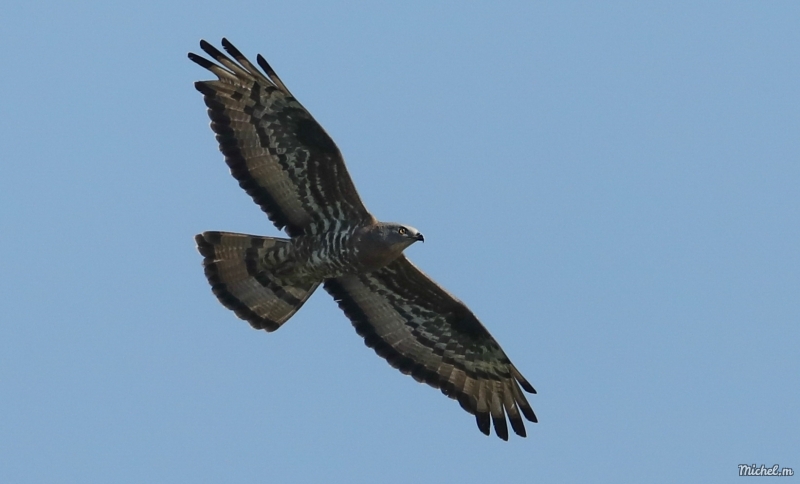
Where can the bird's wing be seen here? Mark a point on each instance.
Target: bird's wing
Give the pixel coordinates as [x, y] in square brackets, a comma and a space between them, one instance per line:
[279, 154]
[424, 331]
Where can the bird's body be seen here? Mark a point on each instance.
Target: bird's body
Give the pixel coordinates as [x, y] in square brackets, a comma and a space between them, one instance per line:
[294, 171]
[352, 250]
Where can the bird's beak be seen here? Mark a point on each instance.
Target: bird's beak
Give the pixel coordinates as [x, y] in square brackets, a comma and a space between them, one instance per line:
[420, 237]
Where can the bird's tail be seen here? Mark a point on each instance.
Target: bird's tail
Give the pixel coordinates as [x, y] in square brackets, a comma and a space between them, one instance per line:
[238, 268]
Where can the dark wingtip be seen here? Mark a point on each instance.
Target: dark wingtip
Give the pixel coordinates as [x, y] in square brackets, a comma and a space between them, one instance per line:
[521, 379]
[500, 428]
[518, 426]
[529, 413]
[483, 422]
[211, 50]
[264, 65]
[467, 402]
[226, 44]
[199, 60]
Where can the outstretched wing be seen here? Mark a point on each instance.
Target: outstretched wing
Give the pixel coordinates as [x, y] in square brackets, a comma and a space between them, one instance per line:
[424, 331]
[279, 154]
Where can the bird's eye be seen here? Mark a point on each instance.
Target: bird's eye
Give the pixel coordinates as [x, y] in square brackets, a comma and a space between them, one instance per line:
[402, 231]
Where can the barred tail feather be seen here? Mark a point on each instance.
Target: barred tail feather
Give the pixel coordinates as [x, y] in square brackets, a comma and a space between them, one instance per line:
[239, 277]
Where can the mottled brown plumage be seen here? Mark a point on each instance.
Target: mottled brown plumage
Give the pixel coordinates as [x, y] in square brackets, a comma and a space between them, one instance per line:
[293, 170]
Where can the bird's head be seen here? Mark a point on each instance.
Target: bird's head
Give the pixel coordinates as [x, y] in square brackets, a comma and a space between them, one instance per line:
[381, 243]
[398, 235]
[394, 237]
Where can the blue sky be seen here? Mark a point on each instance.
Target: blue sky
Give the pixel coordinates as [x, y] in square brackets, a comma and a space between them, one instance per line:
[612, 189]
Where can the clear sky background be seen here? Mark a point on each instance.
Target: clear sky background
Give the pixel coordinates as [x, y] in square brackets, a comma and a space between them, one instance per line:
[614, 190]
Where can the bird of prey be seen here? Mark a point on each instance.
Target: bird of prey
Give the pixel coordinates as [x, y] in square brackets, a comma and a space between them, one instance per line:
[293, 170]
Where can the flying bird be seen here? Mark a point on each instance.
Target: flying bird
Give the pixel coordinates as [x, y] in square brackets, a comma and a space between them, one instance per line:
[293, 170]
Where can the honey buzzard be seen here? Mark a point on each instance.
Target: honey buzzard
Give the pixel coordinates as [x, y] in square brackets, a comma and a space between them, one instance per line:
[293, 170]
